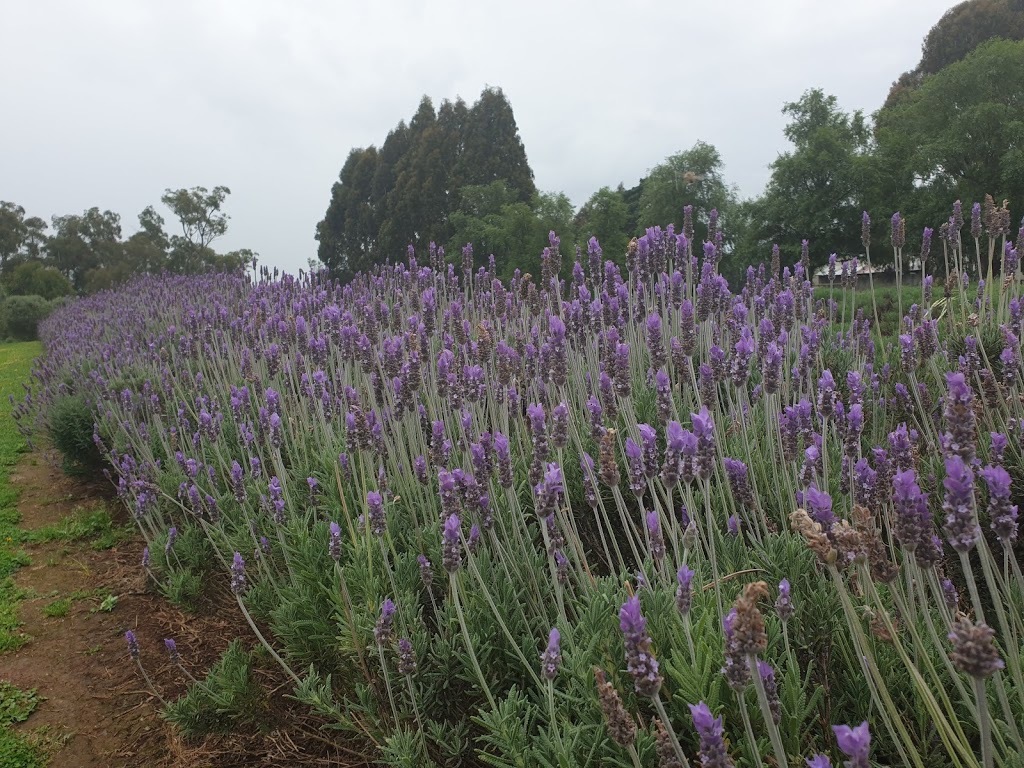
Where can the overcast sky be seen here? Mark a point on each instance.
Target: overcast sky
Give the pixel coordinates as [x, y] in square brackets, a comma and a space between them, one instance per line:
[108, 103]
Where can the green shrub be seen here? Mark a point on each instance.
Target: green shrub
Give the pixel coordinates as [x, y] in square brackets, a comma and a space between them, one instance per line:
[33, 278]
[70, 423]
[229, 697]
[20, 316]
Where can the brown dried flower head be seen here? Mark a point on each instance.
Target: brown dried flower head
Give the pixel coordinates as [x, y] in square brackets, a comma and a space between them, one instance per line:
[621, 726]
[801, 522]
[749, 636]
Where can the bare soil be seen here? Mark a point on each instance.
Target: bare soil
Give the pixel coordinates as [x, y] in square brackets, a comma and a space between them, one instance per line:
[94, 703]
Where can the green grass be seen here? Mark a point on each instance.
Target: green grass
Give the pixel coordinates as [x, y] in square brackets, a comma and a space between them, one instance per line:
[58, 609]
[15, 362]
[16, 749]
[95, 524]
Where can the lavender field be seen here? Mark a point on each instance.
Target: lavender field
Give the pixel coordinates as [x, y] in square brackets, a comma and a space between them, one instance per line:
[630, 517]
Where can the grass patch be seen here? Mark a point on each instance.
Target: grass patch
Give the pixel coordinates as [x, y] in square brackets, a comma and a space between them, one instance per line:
[58, 609]
[15, 704]
[95, 524]
[20, 751]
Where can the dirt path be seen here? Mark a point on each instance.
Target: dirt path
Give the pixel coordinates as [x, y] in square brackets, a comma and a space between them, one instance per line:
[91, 698]
[94, 704]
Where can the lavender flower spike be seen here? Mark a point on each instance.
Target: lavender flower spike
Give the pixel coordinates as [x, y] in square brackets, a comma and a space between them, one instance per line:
[551, 659]
[238, 582]
[855, 743]
[172, 650]
[961, 526]
[452, 546]
[684, 590]
[384, 629]
[819, 761]
[1002, 515]
[974, 650]
[784, 602]
[713, 752]
[133, 644]
[640, 660]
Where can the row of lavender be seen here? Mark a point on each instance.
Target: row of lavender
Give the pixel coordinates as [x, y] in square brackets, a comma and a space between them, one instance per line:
[627, 518]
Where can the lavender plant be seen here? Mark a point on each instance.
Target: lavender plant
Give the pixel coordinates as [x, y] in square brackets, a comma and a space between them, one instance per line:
[567, 452]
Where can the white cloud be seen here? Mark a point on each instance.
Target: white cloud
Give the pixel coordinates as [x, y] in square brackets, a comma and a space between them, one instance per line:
[109, 103]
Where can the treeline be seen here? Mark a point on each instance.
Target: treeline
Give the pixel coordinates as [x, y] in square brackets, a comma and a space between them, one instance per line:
[87, 252]
[952, 128]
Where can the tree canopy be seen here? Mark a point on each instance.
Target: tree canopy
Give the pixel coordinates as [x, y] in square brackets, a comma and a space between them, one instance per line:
[408, 190]
[819, 188]
[959, 136]
[87, 252]
[961, 29]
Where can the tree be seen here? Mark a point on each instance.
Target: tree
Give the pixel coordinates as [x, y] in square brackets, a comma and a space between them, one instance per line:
[960, 30]
[408, 191]
[20, 237]
[84, 243]
[691, 177]
[199, 214]
[492, 149]
[33, 278]
[606, 216]
[959, 136]
[493, 219]
[818, 189]
[348, 232]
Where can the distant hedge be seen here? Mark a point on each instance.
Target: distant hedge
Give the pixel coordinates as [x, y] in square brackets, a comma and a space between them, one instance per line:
[20, 316]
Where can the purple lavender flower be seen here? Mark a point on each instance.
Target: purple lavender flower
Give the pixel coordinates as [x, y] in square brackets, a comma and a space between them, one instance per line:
[999, 443]
[635, 467]
[913, 523]
[704, 429]
[238, 582]
[375, 516]
[974, 649]
[133, 644]
[551, 659]
[560, 425]
[819, 761]
[145, 557]
[855, 743]
[426, 570]
[640, 661]
[713, 752]
[949, 595]
[1001, 513]
[655, 341]
[958, 411]
[452, 544]
[820, 505]
[334, 542]
[826, 395]
[784, 602]
[649, 441]
[653, 521]
[962, 529]
[771, 689]
[172, 651]
[384, 629]
[406, 657]
[684, 589]
[736, 472]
